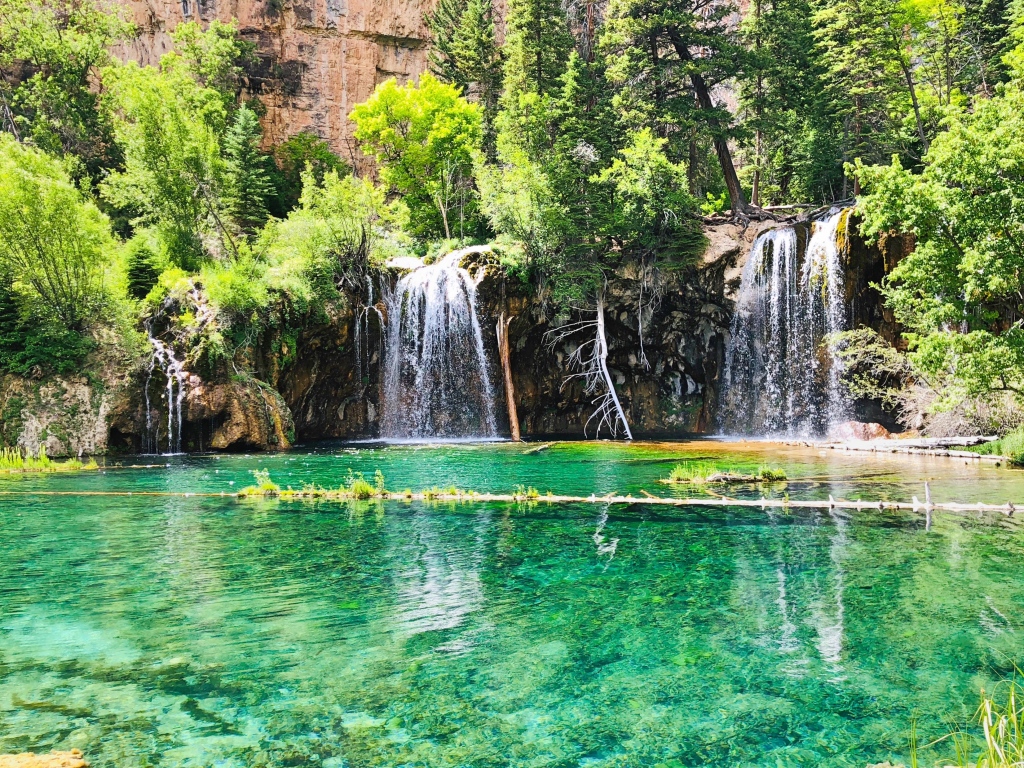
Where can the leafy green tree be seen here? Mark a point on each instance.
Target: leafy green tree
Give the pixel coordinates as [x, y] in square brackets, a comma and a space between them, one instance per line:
[871, 76]
[424, 137]
[53, 241]
[958, 293]
[168, 128]
[215, 58]
[293, 157]
[247, 182]
[50, 55]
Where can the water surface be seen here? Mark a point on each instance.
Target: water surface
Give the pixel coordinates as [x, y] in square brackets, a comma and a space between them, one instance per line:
[203, 631]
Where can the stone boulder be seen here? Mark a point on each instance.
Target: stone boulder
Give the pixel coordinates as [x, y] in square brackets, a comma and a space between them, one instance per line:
[858, 430]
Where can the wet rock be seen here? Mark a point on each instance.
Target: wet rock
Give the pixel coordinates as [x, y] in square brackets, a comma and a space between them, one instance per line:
[72, 759]
[858, 430]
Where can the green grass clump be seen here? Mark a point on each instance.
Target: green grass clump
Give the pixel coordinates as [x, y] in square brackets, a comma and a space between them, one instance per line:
[13, 460]
[771, 474]
[264, 486]
[705, 473]
[1011, 446]
[998, 741]
[697, 473]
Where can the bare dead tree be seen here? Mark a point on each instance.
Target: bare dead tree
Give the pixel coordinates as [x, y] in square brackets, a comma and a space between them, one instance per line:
[590, 361]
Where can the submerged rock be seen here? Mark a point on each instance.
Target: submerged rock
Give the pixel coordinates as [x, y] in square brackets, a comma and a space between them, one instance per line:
[72, 759]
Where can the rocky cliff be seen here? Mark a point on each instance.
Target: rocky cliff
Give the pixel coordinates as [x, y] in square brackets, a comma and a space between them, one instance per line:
[316, 58]
[319, 377]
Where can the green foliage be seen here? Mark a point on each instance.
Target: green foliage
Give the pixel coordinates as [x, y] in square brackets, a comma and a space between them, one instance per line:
[293, 157]
[214, 58]
[651, 210]
[537, 44]
[1011, 446]
[168, 127]
[141, 267]
[15, 460]
[53, 241]
[443, 22]
[50, 52]
[337, 231]
[237, 288]
[424, 138]
[246, 182]
[958, 288]
[263, 486]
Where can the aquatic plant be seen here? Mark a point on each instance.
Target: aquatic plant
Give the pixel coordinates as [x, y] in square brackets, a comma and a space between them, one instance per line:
[771, 474]
[706, 473]
[1001, 719]
[264, 486]
[693, 472]
[14, 460]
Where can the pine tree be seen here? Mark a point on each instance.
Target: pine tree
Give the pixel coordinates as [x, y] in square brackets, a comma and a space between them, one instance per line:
[247, 180]
[478, 61]
[140, 269]
[443, 23]
[667, 56]
[537, 45]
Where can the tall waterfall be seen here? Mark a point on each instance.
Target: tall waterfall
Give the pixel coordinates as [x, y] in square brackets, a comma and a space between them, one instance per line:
[436, 383]
[779, 378]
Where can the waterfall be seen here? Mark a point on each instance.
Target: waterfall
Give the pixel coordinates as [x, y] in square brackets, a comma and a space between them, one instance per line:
[436, 383]
[779, 378]
[174, 371]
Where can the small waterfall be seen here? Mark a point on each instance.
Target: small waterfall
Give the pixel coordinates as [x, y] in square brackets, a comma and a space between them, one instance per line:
[174, 371]
[436, 383]
[779, 378]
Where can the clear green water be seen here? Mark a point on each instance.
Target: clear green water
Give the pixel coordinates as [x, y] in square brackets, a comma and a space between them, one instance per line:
[153, 631]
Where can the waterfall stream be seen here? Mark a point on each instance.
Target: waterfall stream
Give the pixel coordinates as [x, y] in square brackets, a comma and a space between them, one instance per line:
[163, 359]
[436, 382]
[779, 377]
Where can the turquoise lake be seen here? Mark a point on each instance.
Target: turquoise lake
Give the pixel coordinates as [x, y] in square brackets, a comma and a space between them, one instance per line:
[213, 631]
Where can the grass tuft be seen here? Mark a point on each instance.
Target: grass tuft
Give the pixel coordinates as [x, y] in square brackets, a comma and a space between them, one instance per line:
[14, 460]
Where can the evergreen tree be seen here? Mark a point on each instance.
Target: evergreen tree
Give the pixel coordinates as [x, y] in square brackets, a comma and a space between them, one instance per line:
[794, 136]
[443, 23]
[247, 182]
[478, 61]
[668, 55]
[140, 268]
[537, 46]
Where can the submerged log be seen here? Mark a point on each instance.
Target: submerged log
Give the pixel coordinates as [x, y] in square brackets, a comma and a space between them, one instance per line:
[506, 369]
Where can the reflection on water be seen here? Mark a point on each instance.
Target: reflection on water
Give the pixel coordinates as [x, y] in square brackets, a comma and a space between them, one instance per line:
[208, 631]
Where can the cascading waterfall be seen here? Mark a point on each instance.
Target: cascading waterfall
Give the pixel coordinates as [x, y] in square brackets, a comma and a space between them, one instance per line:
[436, 381]
[174, 370]
[779, 378]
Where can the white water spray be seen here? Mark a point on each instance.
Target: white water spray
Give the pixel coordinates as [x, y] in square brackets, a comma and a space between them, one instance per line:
[436, 381]
[174, 370]
[779, 377]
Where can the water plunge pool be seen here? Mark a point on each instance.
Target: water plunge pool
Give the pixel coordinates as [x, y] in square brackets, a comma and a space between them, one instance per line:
[170, 631]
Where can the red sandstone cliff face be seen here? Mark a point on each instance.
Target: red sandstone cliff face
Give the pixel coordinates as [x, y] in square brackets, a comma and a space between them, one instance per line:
[317, 58]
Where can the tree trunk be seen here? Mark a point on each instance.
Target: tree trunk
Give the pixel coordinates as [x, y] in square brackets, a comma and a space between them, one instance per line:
[602, 354]
[732, 182]
[506, 368]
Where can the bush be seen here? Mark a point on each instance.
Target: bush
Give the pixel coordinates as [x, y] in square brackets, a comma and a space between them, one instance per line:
[53, 242]
[237, 289]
